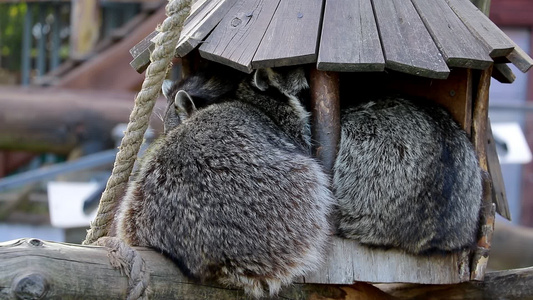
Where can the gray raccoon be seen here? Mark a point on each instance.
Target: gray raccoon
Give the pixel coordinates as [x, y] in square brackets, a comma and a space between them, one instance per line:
[406, 176]
[229, 193]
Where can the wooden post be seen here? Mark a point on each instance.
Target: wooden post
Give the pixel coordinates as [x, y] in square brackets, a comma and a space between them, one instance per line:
[325, 105]
[479, 139]
[84, 20]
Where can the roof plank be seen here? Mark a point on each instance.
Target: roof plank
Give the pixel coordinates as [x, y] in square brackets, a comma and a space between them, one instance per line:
[520, 59]
[456, 43]
[292, 36]
[407, 44]
[482, 27]
[236, 39]
[350, 39]
[200, 23]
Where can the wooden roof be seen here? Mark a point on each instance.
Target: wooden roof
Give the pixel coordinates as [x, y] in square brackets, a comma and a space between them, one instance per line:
[420, 37]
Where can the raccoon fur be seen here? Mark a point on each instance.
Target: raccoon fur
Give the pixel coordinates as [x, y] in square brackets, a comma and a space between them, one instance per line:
[230, 192]
[406, 176]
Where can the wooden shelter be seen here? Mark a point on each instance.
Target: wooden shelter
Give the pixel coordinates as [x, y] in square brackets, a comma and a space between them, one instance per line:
[443, 50]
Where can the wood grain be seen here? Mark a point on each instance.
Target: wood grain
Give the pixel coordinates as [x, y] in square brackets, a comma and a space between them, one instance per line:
[498, 187]
[200, 23]
[482, 27]
[456, 43]
[236, 39]
[407, 45]
[520, 59]
[503, 73]
[292, 35]
[325, 104]
[350, 39]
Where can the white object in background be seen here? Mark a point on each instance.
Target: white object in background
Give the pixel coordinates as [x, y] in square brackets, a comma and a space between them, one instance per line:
[517, 150]
[65, 201]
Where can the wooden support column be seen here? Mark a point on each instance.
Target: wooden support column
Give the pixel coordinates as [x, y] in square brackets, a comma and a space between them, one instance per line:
[479, 139]
[325, 105]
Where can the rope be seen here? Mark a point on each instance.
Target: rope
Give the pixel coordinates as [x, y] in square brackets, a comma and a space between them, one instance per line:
[130, 263]
[165, 43]
[122, 256]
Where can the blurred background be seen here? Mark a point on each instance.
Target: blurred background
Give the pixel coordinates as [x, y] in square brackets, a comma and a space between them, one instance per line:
[67, 89]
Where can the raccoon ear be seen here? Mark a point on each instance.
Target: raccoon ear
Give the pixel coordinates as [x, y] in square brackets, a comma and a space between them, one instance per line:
[167, 84]
[261, 79]
[184, 103]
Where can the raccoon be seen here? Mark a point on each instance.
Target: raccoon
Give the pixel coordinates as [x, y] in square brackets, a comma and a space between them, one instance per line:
[406, 176]
[230, 192]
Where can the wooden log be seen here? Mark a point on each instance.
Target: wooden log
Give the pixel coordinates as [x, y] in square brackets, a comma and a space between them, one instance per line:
[325, 103]
[344, 49]
[456, 43]
[57, 120]
[407, 44]
[34, 269]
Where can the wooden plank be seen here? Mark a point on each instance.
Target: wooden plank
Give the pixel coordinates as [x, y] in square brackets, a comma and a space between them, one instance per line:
[350, 39]
[200, 23]
[520, 59]
[348, 261]
[292, 36]
[456, 43]
[503, 73]
[482, 27]
[498, 188]
[141, 53]
[235, 40]
[407, 44]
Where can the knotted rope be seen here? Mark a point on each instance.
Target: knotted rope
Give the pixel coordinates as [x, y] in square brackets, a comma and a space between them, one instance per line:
[165, 44]
[122, 256]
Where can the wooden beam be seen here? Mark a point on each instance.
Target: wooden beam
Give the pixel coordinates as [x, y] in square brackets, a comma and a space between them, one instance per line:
[84, 28]
[56, 120]
[34, 269]
[479, 139]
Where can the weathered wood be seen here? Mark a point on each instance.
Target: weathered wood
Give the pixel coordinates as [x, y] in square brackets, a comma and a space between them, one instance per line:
[348, 261]
[498, 188]
[68, 271]
[479, 139]
[350, 39]
[34, 269]
[325, 103]
[456, 43]
[84, 28]
[292, 35]
[141, 53]
[503, 73]
[407, 44]
[510, 284]
[482, 27]
[200, 23]
[54, 120]
[235, 40]
[520, 59]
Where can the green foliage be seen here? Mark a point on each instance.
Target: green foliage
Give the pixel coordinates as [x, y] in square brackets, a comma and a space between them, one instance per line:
[11, 26]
